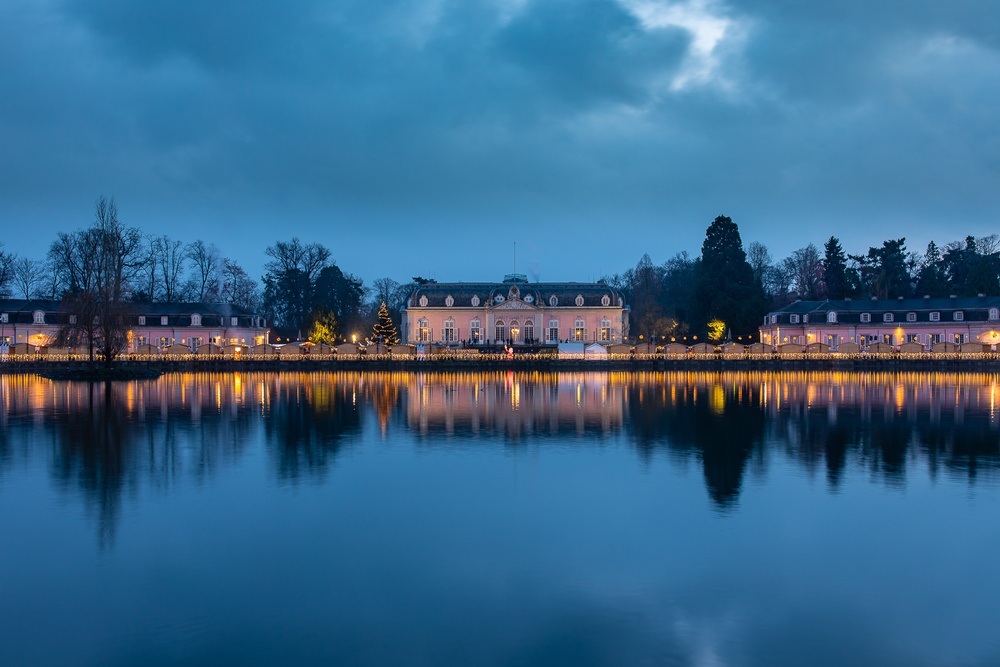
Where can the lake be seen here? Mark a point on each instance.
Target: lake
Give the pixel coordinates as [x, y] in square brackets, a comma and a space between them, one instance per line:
[692, 518]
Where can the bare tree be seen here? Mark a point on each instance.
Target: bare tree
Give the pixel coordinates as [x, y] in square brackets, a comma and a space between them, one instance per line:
[29, 276]
[6, 268]
[148, 279]
[170, 260]
[102, 262]
[383, 290]
[805, 267]
[206, 267]
[238, 288]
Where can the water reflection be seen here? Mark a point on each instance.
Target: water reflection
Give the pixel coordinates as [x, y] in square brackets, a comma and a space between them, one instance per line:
[105, 441]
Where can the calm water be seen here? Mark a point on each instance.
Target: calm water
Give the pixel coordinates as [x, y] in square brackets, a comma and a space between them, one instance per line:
[501, 519]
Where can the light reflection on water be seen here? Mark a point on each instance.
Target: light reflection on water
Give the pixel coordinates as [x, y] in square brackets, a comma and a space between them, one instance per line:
[499, 518]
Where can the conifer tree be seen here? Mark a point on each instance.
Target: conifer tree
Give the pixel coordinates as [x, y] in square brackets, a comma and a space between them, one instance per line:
[384, 330]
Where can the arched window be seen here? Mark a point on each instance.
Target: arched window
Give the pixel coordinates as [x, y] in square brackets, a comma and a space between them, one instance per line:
[449, 301]
[448, 331]
[196, 320]
[39, 317]
[475, 300]
[423, 331]
[475, 331]
[605, 300]
[579, 330]
[529, 331]
[515, 330]
[423, 300]
[553, 301]
[995, 313]
[605, 329]
[553, 330]
[579, 300]
[831, 317]
[500, 331]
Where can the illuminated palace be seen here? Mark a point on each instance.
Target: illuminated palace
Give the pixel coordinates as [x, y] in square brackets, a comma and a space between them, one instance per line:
[38, 323]
[925, 322]
[515, 312]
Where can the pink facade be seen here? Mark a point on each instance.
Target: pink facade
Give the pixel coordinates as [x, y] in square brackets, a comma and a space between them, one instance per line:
[514, 312]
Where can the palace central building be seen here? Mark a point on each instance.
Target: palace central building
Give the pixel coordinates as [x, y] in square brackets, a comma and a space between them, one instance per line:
[515, 312]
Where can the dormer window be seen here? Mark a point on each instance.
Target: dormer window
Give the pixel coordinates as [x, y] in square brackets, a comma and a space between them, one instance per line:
[233, 321]
[423, 300]
[831, 317]
[4, 317]
[959, 316]
[528, 298]
[498, 298]
[196, 320]
[794, 319]
[935, 317]
[142, 320]
[774, 319]
[911, 317]
[605, 300]
[887, 317]
[39, 317]
[449, 301]
[475, 300]
[866, 317]
[163, 320]
[994, 313]
[579, 300]
[805, 318]
[553, 301]
[72, 319]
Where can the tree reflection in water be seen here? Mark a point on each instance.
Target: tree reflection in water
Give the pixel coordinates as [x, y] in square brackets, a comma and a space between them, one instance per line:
[113, 439]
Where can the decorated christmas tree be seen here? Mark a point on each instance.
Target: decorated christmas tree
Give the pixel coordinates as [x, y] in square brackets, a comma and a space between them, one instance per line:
[384, 330]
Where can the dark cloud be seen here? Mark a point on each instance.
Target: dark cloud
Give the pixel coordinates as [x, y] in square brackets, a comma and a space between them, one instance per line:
[455, 127]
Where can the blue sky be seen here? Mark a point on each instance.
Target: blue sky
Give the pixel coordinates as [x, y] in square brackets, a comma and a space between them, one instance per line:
[425, 137]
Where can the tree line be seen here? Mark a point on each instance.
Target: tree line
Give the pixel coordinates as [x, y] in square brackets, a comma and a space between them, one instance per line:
[724, 292]
[720, 294]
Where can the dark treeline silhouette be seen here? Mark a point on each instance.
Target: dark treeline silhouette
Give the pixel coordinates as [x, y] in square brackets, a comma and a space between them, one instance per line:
[720, 294]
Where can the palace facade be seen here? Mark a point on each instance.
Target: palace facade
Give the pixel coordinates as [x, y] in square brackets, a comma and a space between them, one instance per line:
[924, 321]
[514, 312]
[39, 323]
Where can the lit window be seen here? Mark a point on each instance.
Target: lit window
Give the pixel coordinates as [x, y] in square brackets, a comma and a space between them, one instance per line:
[866, 317]
[605, 329]
[475, 331]
[515, 330]
[448, 331]
[911, 317]
[887, 317]
[935, 317]
[423, 331]
[959, 316]
[501, 331]
[579, 332]
[553, 330]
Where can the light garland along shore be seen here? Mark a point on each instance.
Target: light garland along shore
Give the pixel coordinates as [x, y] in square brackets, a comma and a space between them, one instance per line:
[139, 366]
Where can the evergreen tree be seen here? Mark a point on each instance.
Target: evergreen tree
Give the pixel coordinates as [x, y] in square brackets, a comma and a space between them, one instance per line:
[384, 330]
[835, 270]
[726, 289]
[931, 280]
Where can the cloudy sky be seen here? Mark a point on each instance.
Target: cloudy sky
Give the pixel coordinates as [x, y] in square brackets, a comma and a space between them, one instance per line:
[424, 137]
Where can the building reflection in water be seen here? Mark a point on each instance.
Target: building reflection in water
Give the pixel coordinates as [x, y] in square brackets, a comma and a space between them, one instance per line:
[107, 440]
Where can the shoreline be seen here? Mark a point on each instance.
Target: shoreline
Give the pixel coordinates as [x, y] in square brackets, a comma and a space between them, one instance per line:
[130, 369]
